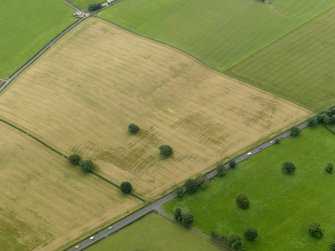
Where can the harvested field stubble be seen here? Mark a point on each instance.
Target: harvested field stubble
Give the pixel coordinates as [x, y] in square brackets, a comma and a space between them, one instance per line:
[85, 91]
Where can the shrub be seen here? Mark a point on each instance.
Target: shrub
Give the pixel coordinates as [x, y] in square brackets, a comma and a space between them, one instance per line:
[232, 164]
[242, 201]
[87, 165]
[221, 170]
[315, 230]
[250, 233]
[277, 141]
[218, 238]
[180, 192]
[126, 187]
[165, 151]
[312, 122]
[329, 168]
[235, 242]
[187, 220]
[295, 131]
[332, 247]
[178, 214]
[288, 167]
[191, 185]
[202, 181]
[74, 159]
[94, 7]
[133, 129]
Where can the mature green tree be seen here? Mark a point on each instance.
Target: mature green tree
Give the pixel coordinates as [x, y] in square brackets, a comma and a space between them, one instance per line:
[221, 170]
[329, 168]
[74, 159]
[165, 151]
[235, 242]
[87, 165]
[94, 7]
[187, 220]
[133, 129]
[232, 164]
[191, 185]
[180, 192]
[315, 230]
[178, 214]
[288, 167]
[251, 233]
[242, 201]
[326, 119]
[126, 187]
[295, 131]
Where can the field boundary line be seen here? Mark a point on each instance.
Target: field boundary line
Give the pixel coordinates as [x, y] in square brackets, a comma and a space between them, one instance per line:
[205, 65]
[36, 138]
[265, 89]
[39, 53]
[280, 38]
[24, 131]
[117, 186]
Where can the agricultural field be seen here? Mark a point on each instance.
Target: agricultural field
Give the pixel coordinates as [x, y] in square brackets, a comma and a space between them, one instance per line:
[281, 206]
[146, 234]
[26, 26]
[297, 67]
[83, 4]
[45, 202]
[220, 33]
[84, 92]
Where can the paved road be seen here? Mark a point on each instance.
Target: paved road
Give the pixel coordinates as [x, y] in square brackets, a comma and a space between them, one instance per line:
[157, 204]
[48, 45]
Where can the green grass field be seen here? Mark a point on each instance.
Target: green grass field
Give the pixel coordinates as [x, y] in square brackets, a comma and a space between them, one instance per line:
[26, 26]
[83, 4]
[218, 32]
[153, 232]
[299, 66]
[282, 206]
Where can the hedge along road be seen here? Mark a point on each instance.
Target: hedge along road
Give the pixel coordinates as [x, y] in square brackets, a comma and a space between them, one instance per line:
[48, 45]
[155, 206]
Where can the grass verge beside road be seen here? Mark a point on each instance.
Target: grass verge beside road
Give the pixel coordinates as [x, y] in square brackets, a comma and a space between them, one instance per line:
[26, 26]
[281, 206]
[45, 202]
[153, 232]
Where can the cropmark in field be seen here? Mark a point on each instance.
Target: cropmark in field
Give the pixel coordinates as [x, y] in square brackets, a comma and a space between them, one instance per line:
[45, 202]
[218, 32]
[84, 92]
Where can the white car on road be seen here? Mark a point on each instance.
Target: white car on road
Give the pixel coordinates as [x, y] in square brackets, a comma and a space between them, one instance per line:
[249, 153]
[92, 237]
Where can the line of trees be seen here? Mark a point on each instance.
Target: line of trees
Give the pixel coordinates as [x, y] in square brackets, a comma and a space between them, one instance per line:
[86, 165]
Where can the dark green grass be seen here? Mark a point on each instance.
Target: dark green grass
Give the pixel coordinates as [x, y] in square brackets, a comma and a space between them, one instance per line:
[218, 32]
[282, 206]
[299, 67]
[83, 4]
[26, 26]
[155, 233]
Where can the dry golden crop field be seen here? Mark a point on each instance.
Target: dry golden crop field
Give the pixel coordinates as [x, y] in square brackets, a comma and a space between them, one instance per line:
[82, 94]
[45, 202]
